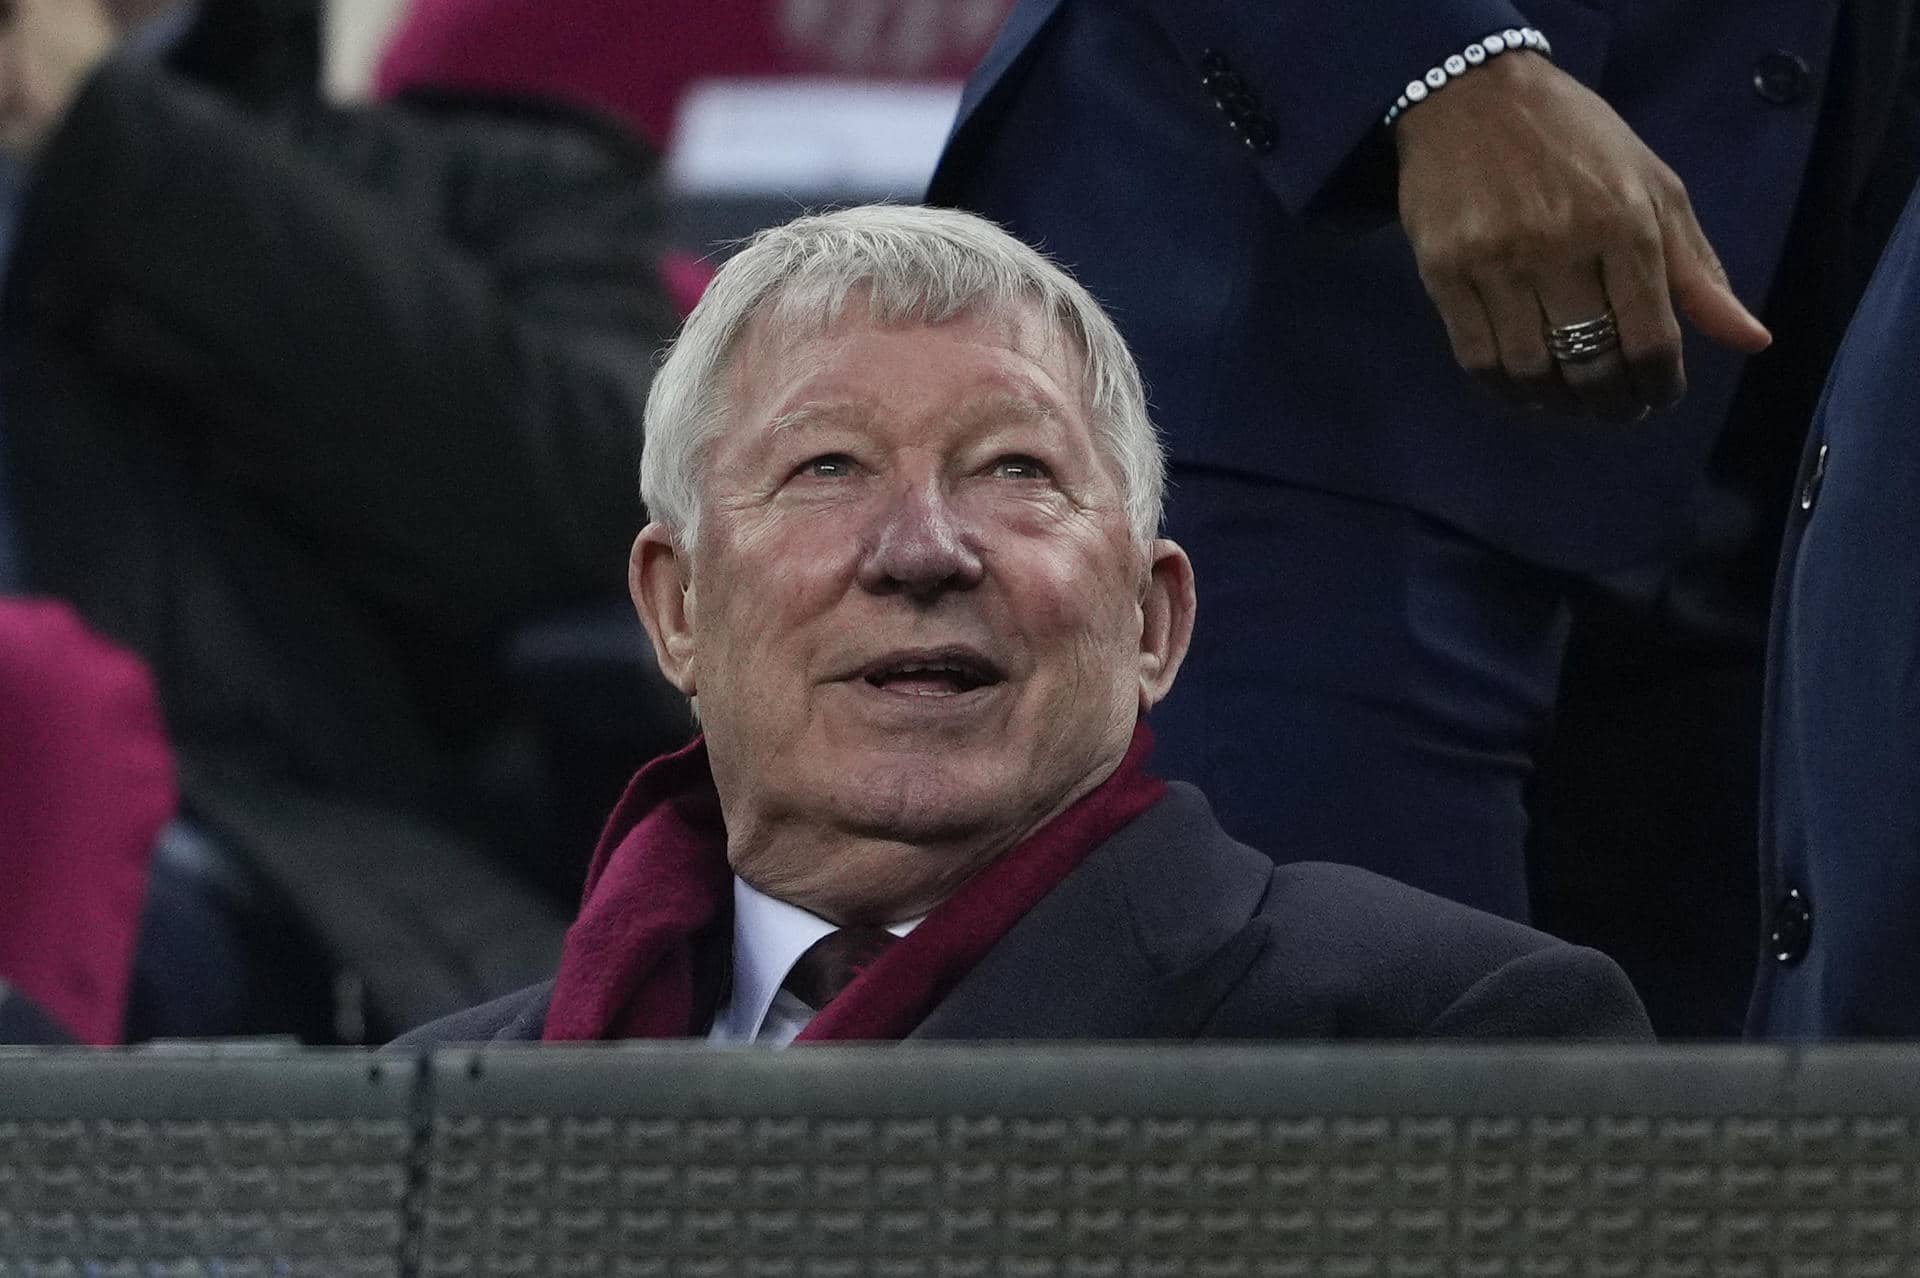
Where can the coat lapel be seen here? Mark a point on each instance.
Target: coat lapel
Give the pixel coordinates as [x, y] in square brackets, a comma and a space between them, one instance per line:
[1142, 940]
[529, 1020]
[1016, 33]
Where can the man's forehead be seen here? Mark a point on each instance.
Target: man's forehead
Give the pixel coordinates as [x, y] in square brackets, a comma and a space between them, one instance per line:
[796, 363]
[779, 337]
[1012, 406]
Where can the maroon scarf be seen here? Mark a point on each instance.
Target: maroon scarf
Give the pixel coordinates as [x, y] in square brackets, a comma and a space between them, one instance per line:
[656, 926]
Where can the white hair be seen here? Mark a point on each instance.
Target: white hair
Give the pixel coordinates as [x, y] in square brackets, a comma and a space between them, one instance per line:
[915, 265]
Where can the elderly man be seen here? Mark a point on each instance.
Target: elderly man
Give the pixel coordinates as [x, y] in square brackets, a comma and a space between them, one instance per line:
[904, 559]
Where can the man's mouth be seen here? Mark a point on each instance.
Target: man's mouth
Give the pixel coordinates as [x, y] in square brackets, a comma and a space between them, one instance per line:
[945, 672]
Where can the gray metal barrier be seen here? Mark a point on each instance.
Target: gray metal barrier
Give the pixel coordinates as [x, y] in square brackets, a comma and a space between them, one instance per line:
[242, 1164]
[952, 1162]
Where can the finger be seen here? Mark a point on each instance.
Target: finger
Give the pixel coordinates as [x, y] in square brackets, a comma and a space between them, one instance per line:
[1699, 284]
[1468, 329]
[1599, 381]
[1515, 315]
[1635, 277]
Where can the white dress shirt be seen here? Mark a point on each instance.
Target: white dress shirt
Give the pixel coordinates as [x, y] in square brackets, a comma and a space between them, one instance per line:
[769, 936]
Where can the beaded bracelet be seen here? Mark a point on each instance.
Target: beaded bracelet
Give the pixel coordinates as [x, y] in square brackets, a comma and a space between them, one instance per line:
[1460, 63]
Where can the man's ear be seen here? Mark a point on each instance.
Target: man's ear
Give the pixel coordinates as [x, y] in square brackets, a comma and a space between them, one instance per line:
[661, 582]
[1166, 616]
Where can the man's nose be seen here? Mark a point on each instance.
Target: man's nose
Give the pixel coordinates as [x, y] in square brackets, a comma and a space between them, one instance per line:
[920, 546]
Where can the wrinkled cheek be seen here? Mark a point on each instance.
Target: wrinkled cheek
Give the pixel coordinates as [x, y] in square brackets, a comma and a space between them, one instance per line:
[1095, 656]
[1094, 610]
[772, 660]
[758, 669]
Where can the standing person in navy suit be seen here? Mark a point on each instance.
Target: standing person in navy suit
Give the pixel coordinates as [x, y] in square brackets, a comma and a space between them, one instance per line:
[1408, 581]
[1840, 839]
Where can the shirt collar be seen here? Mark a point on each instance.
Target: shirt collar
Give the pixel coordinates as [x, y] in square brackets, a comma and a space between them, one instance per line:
[769, 936]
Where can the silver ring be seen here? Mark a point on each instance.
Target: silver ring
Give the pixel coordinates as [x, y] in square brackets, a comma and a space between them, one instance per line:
[1585, 341]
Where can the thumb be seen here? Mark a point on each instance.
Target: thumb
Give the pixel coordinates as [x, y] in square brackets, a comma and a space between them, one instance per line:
[1699, 286]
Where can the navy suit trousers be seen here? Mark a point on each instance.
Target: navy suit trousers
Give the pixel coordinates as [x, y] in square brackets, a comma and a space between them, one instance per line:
[1366, 684]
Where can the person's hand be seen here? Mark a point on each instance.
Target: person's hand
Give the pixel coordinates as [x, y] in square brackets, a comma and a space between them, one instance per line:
[1530, 206]
[48, 48]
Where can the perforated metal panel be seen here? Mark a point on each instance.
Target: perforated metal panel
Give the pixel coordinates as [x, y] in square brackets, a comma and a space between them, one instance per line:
[1216, 1164]
[965, 1163]
[183, 1164]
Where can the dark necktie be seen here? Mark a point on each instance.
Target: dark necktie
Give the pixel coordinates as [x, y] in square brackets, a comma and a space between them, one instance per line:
[831, 963]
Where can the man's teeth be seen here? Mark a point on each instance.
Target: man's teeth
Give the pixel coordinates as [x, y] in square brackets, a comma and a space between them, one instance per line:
[951, 678]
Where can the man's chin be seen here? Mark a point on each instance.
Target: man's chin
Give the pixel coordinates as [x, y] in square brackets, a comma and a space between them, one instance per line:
[932, 797]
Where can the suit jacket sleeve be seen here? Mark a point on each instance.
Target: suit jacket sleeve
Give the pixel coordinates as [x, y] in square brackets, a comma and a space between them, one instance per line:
[519, 1017]
[1562, 992]
[423, 341]
[1324, 74]
[1350, 954]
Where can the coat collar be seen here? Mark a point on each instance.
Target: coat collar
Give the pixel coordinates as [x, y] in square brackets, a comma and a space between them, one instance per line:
[1142, 940]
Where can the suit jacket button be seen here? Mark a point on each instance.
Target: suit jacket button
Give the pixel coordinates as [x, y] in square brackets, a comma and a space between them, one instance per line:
[1810, 491]
[1781, 77]
[1792, 929]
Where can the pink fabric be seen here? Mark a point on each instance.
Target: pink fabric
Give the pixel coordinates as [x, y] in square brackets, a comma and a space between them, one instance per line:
[86, 784]
[686, 278]
[659, 904]
[634, 58]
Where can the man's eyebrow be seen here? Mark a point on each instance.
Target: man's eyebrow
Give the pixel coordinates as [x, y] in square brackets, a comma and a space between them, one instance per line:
[817, 414]
[1007, 409]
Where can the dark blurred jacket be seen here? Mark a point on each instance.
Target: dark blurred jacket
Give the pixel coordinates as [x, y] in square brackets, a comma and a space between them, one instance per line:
[1840, 797]
[310, 407]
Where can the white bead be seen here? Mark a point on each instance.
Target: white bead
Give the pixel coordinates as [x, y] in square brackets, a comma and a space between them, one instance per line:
[1457, 65]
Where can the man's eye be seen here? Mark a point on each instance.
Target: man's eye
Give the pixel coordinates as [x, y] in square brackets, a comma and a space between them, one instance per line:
[1019, 468]
[832, 466]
